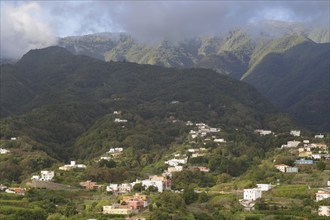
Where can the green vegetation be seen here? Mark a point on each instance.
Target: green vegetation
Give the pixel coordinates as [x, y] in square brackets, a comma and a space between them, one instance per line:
[68, 114]
[283, 65]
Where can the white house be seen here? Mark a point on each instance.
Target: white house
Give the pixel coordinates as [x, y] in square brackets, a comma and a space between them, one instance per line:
[319, 136]
[4, 151]
[281, 167]
[295, 133]
[324, 210]
[175, 162]
[71, 166]
[105, 158]
[316, 156]
[291, 144]
[35, 177]
[46, 175]
[118, 120]
[263, 132]
[13, 138]
[189, 123]
[197, 155]
[323, 193]
[306, 141]
[116, 112]
[264, 187]
[157, 181]
[116, 150]
[121, 188]
[219, 140]
[286, 169]
[252, 194]
[215, 130]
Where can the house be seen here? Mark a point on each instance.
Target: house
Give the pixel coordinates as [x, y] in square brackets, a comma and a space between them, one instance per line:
[291, 170]
[281, 167]
[13, 138]
[89, 185]
[189, 123]
[175, 162]
[158, 181]
[316, 156]
[204, 169]
[286, 169]
[3, 187]
[117, 209]
[306, 141]
[105, 158]
[119, 188]
[215, 130]
[219, 140]
[136, 202]
[304, 162]
[135, 218]
[295, 133]
[35, 177]
[291, 144]
[322, 193]
[263, 132]
[116, 112]
[305, 154]
[324, 211]
[252, 194]
[71, 166]
[197, 155]
[4, 151]
[137, 196]
[264, 187]
[174, 169]
[118, 120]
[319, 136]
[46, 175]
[18, 191]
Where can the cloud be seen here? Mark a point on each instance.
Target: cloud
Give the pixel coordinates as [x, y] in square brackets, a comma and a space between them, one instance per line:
[25, 25]
[179, 19]
[23, 28]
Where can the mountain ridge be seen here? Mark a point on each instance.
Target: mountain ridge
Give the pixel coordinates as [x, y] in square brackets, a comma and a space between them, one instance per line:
[71, 92]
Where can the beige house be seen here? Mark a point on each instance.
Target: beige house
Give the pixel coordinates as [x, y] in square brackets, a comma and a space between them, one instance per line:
[117, 209]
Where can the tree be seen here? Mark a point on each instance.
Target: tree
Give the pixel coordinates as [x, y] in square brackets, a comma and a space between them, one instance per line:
[138, 187]
[320, 165]
[152, 189]
[107, 163]
[189, 195]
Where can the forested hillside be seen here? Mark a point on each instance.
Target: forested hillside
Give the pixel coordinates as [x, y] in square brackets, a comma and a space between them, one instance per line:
[236, 53]
[66, 103]
[297, 80]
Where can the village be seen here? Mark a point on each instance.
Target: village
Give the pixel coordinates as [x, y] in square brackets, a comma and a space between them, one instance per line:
[132, 197]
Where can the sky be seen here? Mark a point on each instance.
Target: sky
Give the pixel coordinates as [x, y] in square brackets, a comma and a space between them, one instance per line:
[28, 25]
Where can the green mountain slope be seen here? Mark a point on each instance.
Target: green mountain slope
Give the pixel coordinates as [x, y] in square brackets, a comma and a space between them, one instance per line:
[297, 80]
[72, 99]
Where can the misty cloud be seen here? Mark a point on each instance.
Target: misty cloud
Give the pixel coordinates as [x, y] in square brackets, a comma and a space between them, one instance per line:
[22, 29]
[147, 20]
